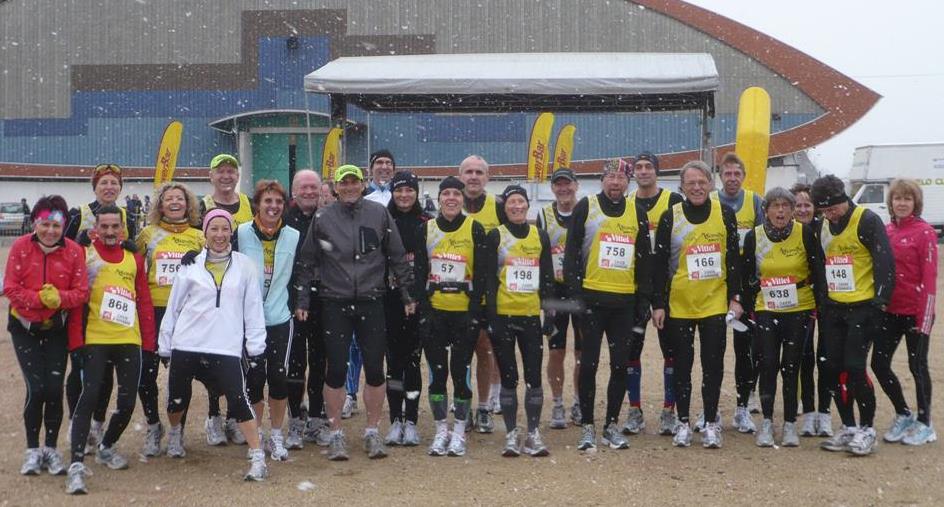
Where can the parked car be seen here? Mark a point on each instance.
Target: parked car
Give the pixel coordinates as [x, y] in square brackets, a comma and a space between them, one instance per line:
[11, 218]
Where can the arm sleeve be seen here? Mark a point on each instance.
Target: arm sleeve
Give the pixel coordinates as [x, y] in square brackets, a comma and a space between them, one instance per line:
[253, 316]
[643, 260]
[573, 270]
[749, 282]
[306, 266]
[660, 260]
[927, 294]
[814, 255]
[547, 267]
[78, 292]
[420, 266]
[539, 220]
[872, 234]
[733, 255]
[145, 307]
[478, 270]
[396, 258]
[491, 270]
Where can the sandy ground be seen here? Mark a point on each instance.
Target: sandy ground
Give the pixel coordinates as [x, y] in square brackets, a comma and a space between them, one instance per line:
[651, 472]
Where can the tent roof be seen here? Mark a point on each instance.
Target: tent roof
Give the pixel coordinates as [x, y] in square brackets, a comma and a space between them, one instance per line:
[521, 81]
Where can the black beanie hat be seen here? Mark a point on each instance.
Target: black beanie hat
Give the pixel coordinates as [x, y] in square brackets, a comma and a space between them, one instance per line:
[404, 179]
[451, 182]
[651, 157]
[511, 190]
[381, 153]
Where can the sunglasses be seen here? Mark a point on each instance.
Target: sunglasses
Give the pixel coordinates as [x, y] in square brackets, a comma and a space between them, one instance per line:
[107, 168]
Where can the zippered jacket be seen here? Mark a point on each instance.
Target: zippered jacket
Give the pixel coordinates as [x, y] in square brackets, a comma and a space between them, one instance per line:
[28, 268]
[914, 244]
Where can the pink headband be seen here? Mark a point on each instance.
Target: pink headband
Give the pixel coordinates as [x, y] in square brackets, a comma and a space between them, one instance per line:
[215, 213]
[52, 215]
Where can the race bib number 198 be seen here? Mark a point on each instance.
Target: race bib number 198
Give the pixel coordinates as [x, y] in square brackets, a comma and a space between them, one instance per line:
[522, 274]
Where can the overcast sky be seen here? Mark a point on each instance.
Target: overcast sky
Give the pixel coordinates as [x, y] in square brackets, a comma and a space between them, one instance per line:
[894, 48]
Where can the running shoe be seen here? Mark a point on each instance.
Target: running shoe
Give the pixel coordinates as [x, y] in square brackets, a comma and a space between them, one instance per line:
[613, 438]
[863, 442]
[840, 441]
[296, 431]
[275, 444]
[457, 444]
[588, 438]
[534, 445]
[411, 436]
[753, 403]
[635, 422]
[258, 470]
[52, 461]
[765, 437]
[337, 448]
[316, 430]
[175, 442]
[810, 421]
[789, 438]
[683, 435]
[824, 426]
[576, 415]
[667, 422]
[33, 462]
[743, 421]
[395, 435]
[350, 406]
[96, 432]
[109, 457]
[75, 481]
[233, 433]
[215, 432]
[152, 440]
[711, 439]
[920, 434]
[558, 418]
[899, 428]
[440, 441]
[374, 445]
[494, 404]
[512, 444]
[700, 421]
[484, 422]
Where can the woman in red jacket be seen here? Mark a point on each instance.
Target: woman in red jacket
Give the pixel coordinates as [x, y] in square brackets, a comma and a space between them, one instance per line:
[45, 277]
[910, 312]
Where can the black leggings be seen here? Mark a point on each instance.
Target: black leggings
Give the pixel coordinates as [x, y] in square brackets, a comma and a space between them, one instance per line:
[224, 374]
[712, 337]
[404, 352]
[746, 363]
[449, 332]
[272, 366]
[74, 388]
[893, 327]
[308, 351]
[42, 358]
[847, 336]
[341, 319]
[617, 324]
[526, 332]
[779, 338]
[97, 362]
[150, 364]
[810, 390]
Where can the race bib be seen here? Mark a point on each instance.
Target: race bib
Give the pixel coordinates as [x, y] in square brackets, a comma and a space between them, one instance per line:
[704, 261]
[557, 257]
[167, 265]
[522, 274]
[446, 267]
[616, 252]
[780, 292]
[840, 274]
[117, 306]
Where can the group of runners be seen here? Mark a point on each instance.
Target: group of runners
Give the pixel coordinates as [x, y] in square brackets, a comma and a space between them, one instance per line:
[298, 293]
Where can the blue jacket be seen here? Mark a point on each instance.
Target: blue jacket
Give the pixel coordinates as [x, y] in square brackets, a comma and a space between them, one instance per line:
[275, 302]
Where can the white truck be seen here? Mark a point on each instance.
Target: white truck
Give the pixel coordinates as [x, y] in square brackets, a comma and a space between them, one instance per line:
[875, 166]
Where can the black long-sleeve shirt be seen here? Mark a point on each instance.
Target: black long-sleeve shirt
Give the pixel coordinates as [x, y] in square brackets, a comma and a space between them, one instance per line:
[871, 234]
[493, 270]
[421, 260]
[574, 262]
[662, 278]
[814, 257]
[75, 221]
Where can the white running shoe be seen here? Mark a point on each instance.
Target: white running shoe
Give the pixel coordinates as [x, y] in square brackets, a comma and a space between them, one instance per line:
[152, 440]
[294, 439]
[258, 470]
[233, 434]
[558, 418]
[440, 441]
[863, 442]
[75, 481]
[789, 438]
[765, 437]
[52, 461]
[215, 432]
[33, 462]
[374, 445]
[712, 436]
[95, 434]
[576, 416]
[824, 426]
[512, 444]
[743, 421]
[175, 442]
[840, 441]
[276, 446]
[411, 436]
[667, 422]
[700, 421]
[395, 434]
[635, 422]
[920, 434]
[349, 408]
[753, 403]
[109, 457]
[534, 445]
[316, 430]
[613, 438]
[495, 405]
[683, 435]
[588, 438]
[484, 423]
[457, 444]
[899, 428]
[810, 420]
[337, 448]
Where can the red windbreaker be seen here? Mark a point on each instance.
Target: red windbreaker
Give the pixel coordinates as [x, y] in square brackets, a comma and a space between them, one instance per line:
[28, 268]
[914, 244]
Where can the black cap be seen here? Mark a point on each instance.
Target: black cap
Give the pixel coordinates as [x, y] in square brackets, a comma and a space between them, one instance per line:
[650, 156]
[511, 190]
[381, 153]
[451, 182]
[563, 172]
[404, 179]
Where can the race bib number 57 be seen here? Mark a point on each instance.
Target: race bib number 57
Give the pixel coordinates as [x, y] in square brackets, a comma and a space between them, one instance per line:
[704, 261]
[840, 274]
[117, 306]
[446, 267]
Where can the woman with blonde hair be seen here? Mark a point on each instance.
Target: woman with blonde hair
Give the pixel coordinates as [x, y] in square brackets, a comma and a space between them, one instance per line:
[163, 243]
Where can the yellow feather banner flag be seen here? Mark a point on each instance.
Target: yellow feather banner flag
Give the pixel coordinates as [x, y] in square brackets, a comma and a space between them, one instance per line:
[752, 142]
[167, 153]
[564, 147]
[331, 154]
[538, 148]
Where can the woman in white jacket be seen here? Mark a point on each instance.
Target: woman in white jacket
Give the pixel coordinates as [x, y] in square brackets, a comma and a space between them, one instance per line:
[214, 303]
